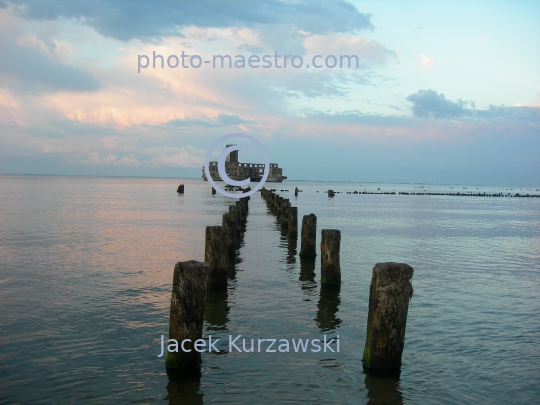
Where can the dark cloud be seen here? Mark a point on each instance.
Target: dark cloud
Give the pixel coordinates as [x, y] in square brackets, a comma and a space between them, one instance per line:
[28, 69]
[429, 104]
[144, 19]
[32, 64]
[522, 114]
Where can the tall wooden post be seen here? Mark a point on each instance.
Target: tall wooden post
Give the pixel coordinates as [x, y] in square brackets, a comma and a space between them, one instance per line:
[186, 317]
[389, 297]
[215, 253]
[309, 235]
[285, 205]
[293, 221]
[330, 265]
[228, 223]
[180, 189]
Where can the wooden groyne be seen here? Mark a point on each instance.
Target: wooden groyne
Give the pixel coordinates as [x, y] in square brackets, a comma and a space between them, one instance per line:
[458, 194]
[193, 281]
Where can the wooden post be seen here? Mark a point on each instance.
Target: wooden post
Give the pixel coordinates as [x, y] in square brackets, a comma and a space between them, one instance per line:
[330, 267]
[389, 297]
[188, 298]
[229, 225]
[285, 205]
[215, 253]
[293, 221]
[180, 189]
[240, 211]
[296, 191]
[330, 193]
[213, 191]
[309, 235]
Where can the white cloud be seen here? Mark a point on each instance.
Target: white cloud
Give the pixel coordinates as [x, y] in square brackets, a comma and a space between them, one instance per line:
[426, 61]
[180, 159]
[480, 39]
[110, 160]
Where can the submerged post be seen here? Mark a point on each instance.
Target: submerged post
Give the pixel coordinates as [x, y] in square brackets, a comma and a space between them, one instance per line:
[296, 191]
[293, 221]
[331, 193]
[213, 191]
[180, 189]
[389, 297]
[309, 235]
[215, 253]
[330, 266]
[187, 315]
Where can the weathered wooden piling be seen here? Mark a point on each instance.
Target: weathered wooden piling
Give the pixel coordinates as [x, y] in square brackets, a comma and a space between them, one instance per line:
[277, 204]
[213, 191]
[285, 205]
[309, 235]
[228, 223]
[331, 193]
[330, 266]
[180, 189]
[240, 210]
[389, 297]
[188, 299]
[293, 221]
[296, 191]
[215, 253]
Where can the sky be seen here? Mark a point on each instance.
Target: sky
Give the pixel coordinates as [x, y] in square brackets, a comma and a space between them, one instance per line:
[444, 92]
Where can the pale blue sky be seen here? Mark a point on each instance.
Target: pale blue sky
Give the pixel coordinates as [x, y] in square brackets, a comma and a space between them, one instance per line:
[447, 91]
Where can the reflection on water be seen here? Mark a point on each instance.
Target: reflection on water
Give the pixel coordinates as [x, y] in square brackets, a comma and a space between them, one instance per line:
[383, 390]
[292, 244]
[307, 269]
[85, 286]
[328, 307]
[184, 392]
[216, 310]
[307, 277]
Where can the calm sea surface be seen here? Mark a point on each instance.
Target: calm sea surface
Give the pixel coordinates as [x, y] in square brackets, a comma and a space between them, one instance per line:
[86, 266]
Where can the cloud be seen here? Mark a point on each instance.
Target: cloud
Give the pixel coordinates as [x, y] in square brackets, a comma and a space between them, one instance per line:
[32, 65]
[429, 104]
[426, 61]
[368, 51]
[480, 39]
[126, 20]
[110, 160]
[181, 159]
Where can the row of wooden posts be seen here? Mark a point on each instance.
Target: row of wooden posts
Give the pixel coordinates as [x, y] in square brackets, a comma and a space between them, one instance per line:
[330, 238]
[390, 290]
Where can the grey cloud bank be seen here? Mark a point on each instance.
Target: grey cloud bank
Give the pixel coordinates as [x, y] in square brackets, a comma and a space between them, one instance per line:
[142, 19]
[427, 104]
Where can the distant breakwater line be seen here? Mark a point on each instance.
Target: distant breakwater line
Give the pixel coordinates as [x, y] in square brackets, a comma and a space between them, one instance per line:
[458, 194]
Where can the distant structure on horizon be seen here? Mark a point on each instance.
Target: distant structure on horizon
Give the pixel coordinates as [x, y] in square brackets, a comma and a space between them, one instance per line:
[240, 171]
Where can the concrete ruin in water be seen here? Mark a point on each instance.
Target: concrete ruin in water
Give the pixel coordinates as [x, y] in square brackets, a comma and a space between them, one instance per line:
[240, 171]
